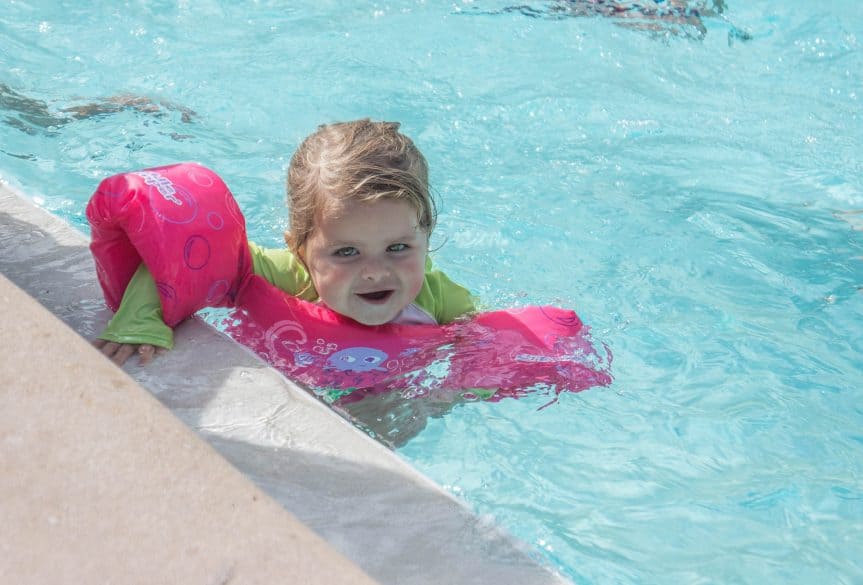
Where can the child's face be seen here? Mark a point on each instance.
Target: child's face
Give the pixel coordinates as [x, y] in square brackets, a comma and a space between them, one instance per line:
[367, 260]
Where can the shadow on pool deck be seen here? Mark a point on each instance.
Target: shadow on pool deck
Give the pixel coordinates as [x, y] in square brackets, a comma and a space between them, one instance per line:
[361, 498]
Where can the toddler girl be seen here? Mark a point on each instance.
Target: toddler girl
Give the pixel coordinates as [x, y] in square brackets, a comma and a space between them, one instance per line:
[360, 220]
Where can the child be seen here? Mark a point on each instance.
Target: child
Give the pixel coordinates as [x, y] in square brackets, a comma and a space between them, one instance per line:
[360, 220]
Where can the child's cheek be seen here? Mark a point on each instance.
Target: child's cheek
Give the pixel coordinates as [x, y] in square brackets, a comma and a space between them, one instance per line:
[418, 276]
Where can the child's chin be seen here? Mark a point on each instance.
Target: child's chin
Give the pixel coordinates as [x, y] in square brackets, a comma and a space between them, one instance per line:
[372, 322]
[375, 319]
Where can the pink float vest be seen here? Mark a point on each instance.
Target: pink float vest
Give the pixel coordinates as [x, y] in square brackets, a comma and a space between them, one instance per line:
[183, 223]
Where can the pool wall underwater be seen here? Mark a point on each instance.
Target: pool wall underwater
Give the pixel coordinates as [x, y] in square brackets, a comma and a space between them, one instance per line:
[102, 480]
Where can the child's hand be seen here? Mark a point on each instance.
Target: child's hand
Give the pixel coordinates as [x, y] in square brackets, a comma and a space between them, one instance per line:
[120, 352]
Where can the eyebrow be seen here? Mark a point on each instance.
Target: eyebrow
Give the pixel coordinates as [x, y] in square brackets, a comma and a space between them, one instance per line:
[413, 235]
[400, 238]
[417, 232]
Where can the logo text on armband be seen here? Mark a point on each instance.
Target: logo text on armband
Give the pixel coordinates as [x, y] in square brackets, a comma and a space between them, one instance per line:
[162, 184]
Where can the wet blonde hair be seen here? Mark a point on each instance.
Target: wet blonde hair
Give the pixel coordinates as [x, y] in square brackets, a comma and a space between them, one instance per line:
[359, 161]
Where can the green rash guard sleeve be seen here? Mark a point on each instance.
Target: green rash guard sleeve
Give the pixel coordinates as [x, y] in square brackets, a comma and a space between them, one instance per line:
[442, 298]
[139, 318]
[280, 267]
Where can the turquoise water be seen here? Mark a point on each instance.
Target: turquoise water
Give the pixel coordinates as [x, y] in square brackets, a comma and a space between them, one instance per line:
[693, 199]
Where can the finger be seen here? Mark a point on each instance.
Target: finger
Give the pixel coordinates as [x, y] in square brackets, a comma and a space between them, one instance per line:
[108, 348]
[98, 343]
[122, 354]
[145, 354]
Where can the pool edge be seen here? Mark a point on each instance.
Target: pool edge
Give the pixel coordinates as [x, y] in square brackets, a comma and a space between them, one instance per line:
[361, 498]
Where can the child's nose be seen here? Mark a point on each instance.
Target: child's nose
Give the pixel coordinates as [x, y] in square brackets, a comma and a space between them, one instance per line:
[374, 270]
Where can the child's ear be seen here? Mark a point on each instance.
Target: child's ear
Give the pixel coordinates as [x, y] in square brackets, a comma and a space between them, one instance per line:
[288, 238]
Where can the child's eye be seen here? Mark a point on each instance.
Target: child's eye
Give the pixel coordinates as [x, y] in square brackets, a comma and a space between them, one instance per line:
[397, 248]
[346, 252]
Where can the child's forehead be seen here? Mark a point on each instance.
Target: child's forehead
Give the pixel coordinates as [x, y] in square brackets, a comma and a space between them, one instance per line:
[330, 207]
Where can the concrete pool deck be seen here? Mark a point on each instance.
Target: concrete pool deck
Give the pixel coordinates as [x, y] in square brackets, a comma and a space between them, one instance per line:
[262, 483]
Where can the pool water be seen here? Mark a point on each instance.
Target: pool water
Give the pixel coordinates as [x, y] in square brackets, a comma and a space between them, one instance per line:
[695, 195]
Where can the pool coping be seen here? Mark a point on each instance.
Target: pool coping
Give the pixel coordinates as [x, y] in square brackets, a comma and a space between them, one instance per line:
[324, 478]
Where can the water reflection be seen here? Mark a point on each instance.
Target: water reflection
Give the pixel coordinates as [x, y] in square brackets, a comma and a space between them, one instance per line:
[35, 116]
[658, 17]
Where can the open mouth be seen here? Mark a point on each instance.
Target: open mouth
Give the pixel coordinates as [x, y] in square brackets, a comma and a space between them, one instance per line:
[378, 296]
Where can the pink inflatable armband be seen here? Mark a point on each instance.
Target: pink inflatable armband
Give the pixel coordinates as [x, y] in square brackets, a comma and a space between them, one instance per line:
[183, 223]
